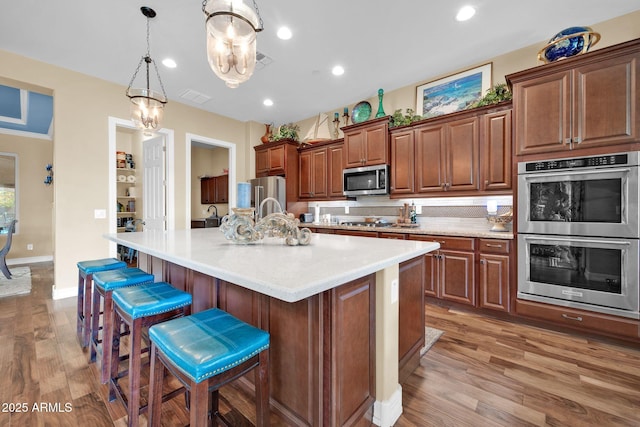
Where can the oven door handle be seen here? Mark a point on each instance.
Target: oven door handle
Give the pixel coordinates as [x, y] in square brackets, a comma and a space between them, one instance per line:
[577, 240]
[589, 172]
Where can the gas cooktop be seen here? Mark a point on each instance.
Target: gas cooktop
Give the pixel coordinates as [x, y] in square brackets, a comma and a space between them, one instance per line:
[367, 224]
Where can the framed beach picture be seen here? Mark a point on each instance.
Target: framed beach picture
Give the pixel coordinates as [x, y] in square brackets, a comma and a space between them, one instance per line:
[453, 93]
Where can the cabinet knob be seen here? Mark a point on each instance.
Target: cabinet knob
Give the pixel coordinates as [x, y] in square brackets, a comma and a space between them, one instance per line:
[482, 261]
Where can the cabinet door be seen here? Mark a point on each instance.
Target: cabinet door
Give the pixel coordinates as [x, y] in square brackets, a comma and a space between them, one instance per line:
[262, 163]
[354, 148]
[462, 155]
[207, 190]
[431, 274]
[375, 149]
[277, 160]
[606, 96]
[402, 162]
[304, 177]
[456, 277]
[542, 113]
[496, 155]
[335, 168]
[494, 282]
[221, 189]
[430, 158]
[319, 173]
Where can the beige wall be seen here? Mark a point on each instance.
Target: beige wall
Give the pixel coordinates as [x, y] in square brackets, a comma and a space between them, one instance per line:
[35, 199]
[614, 31]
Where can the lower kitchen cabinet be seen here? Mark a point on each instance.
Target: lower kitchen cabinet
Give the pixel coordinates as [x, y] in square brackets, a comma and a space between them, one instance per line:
[450, 271]
[494, 274]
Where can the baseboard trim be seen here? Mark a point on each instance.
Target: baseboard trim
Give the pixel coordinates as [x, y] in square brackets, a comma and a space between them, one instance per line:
[63, 292]
[386, 413]
[30, 260]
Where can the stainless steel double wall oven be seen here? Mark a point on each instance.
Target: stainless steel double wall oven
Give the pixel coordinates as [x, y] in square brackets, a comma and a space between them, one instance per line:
[579, 233]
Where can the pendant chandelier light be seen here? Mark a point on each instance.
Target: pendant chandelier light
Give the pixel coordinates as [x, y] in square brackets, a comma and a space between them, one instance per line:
[147, 105]
[231, 29]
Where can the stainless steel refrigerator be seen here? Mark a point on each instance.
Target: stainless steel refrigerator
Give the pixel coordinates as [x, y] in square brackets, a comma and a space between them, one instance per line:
[270, 186]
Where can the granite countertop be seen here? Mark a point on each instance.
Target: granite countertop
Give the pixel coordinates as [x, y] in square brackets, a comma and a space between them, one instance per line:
[460, 227]
[270, 267]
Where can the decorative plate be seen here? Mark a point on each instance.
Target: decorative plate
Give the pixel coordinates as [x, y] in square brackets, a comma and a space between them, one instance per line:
[361, 112]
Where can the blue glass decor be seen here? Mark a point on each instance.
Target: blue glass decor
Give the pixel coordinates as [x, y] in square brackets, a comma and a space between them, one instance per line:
[567, 43]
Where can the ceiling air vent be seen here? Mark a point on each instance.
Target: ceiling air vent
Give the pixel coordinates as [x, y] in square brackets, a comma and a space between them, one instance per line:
[262, 60]
[195, 97]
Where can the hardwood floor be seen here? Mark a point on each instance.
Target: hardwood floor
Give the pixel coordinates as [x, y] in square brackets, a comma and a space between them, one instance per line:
[482, 372]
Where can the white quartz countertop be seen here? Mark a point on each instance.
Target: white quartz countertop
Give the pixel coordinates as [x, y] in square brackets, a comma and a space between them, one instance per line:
[270, 267]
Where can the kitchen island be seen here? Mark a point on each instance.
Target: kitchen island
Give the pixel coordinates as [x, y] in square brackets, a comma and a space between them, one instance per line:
[332, 309]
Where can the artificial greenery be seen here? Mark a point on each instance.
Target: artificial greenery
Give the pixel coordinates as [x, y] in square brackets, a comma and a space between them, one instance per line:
[288, 131]
[399, 119]
[497, 93]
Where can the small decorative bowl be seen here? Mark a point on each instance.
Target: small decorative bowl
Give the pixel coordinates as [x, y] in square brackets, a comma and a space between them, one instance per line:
[499, 222]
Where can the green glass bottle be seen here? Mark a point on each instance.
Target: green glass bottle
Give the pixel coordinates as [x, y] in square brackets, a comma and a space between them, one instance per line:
[380, 112]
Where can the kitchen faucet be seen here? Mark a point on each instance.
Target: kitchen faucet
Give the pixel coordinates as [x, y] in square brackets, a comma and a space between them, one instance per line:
[216, 210]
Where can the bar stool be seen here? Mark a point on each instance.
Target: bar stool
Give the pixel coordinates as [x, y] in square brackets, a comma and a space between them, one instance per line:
[140, 307]
[105, 282]
[206, 351]
[85, 283]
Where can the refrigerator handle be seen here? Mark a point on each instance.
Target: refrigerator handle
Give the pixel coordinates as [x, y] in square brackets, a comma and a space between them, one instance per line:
[258, 200]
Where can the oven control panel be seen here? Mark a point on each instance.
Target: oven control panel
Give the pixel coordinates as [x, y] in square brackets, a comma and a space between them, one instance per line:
[578, 162]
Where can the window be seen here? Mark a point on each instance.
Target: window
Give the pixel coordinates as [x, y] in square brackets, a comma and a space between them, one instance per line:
[8, 195]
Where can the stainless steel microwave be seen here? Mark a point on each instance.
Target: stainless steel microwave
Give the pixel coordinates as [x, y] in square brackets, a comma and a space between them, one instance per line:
[366, 180]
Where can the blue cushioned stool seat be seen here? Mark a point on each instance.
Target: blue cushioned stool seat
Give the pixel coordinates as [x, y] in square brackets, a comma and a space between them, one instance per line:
[205, 351]
[85, 283]
[149, 299]
[105, 282]
[208, 343]
[139, 307]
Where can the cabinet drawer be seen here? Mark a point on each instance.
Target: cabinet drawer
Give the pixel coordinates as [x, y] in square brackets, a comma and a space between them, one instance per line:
[453, 243]
[397, 236]
[494, 246]
[579, 319]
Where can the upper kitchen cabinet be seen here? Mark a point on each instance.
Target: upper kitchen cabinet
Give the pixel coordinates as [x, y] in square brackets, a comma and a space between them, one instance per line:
[320, 172]
[367, 143]
[277, 158]
[214, 189]
[586, 101]
[495, 149]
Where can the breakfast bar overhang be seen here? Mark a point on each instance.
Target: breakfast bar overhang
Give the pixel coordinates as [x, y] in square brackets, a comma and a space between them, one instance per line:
[331, 308]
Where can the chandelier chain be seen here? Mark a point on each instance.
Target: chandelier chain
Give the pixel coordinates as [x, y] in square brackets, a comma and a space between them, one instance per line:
[255, 6]
[148, 55]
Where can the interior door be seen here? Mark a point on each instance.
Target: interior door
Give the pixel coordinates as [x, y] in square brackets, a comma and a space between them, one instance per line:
[154, 188]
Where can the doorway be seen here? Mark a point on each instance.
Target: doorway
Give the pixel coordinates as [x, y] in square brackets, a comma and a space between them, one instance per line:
[227, 150]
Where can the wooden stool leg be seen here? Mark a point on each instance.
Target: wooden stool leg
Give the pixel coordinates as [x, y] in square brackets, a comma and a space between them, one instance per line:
[199, 403]
[155, 387]
[262, 390]
[135, 364]
[95, 325]
[114, 356]
[107, 337]
[88, 283]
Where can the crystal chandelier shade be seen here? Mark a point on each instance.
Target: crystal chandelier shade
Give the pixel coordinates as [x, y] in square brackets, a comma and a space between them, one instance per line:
[231, 28]
[147, 105]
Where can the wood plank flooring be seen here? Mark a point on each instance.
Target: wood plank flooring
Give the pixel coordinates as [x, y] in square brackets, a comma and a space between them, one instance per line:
[482, 372]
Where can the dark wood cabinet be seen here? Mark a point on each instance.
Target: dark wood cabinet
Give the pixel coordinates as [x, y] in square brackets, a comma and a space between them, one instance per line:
[320, 171]
[447, 156]
[493, 275]
[214, 189]
[590, 100]
[495, 156]
[462, 153]
[276, 158]
[450, 271]
[367, 143]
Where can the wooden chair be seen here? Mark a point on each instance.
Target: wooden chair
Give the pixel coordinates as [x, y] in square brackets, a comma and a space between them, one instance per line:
[5, 250]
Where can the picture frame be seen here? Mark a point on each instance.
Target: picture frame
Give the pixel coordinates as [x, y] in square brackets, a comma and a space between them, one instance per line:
[453, 93]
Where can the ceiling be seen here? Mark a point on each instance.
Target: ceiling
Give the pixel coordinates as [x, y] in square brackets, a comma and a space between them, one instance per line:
[380, 44]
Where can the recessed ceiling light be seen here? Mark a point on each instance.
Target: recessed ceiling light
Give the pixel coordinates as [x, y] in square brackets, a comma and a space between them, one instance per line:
[465, 13]
[268, 102]
[284, 33]
[169, 63]
[338, 70]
